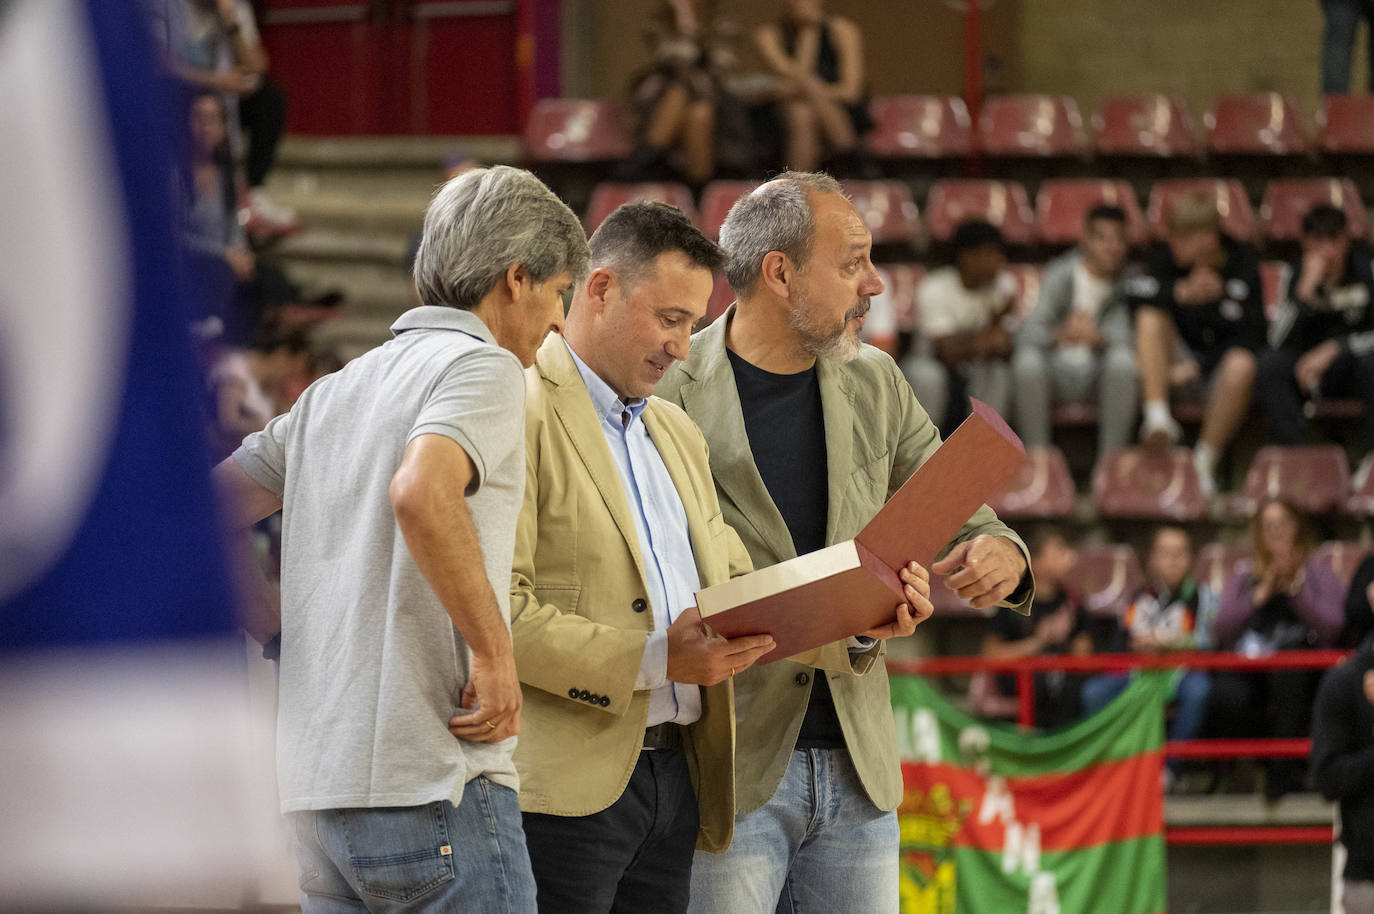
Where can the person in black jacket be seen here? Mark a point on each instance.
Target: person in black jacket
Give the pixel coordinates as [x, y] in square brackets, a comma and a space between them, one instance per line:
[1343, 762]
[1323, 333]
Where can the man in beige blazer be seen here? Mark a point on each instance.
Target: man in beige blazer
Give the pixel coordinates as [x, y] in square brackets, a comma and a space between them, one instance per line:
[626, 757]
[810, 432]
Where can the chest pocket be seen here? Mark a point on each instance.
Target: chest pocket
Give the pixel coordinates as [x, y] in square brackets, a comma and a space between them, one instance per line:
[863, 496]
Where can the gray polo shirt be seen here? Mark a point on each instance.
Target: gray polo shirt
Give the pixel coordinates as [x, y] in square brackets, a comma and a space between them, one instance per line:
[371, 666]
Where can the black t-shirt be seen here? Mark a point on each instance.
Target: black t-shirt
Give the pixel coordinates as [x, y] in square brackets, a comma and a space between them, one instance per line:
[786, 428]
[1346, 307]
[1209, 328]
[1343, 757]
[1010, 625]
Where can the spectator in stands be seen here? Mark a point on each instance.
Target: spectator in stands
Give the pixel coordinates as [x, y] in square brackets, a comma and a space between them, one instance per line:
[1170, 613]
[262, 115]
[678, 95]
[818, 60]
[963, 312]
[1359, 622]
[1322, 337]
[1342, 21]
[1343, 763]
[1198, 306]
[1282, 599]
[1079, 337]
[1057, 624]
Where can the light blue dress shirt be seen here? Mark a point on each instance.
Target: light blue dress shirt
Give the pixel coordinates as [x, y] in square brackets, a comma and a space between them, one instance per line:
[670, 568]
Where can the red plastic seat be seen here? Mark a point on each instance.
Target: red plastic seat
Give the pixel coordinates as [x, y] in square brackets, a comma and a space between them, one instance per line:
[1061, 205]
[902, 280]
[1343, 557]
[1003, 203]
[1027, 286]
[1271, 283]
[1286, 201]
[608, 195]
[1144, 125]
[1042, 487]
[1362, 488]
[1313, 479]
[577, 130]
[1032, 126]
[722, 296]
[1266, 123]
[1137, 483]
[716, 200]
[1345, 124]
[1107, 576]
[1237, 218]
[1215, 563]
[919, 127]
[888, 209]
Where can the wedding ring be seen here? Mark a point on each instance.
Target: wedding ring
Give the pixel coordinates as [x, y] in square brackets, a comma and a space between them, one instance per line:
[491, 724]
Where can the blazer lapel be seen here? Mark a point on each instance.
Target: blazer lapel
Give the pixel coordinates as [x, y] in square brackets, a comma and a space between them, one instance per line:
[573, 406]
[712, 400]
[837, 408]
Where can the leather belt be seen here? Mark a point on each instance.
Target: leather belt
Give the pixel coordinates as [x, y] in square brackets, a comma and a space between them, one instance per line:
[663, 736]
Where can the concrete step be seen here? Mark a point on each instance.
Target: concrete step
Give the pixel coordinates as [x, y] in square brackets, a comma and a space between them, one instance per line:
[391, 212]
[369, 288]
[394, 151]
[1247, 809]
[330, 245]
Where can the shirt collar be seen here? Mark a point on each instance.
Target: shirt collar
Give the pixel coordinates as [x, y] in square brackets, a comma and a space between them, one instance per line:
[433, 317]
[607, 404]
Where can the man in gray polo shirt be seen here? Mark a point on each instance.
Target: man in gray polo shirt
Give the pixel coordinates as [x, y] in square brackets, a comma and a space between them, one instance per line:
[401, 478]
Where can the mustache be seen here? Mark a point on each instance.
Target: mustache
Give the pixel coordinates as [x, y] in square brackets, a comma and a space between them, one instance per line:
[858, 310]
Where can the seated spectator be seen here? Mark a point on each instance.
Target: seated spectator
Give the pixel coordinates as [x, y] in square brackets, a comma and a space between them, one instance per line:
[1057, 624]
[1079, 338]
[1359, 600]
[818, 60]
[1281, 600]
[1170, 613]
[677, 96]
[1343, 764]
[1200, 290]
[262, 115]
[1323, 334]
[963, 312]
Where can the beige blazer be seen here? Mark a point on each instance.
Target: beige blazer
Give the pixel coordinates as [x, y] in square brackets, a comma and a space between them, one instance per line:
[876, 435]
[579, 605]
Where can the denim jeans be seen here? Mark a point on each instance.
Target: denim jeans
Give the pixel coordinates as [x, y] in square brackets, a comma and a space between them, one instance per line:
[417, 859]
[819, 846]
[1191, 693]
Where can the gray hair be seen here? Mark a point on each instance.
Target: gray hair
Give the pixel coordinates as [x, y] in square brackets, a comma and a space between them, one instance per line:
[775, 217]
[481, 223]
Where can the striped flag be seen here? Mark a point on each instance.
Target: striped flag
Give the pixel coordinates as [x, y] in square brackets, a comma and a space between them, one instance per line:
[993, 819]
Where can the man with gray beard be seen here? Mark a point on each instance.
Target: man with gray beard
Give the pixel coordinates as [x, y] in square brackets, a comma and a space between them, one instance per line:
[810, 432]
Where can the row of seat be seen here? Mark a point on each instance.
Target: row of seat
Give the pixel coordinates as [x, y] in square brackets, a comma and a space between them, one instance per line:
[1137, 484]
[890, 211]
[1020, 126]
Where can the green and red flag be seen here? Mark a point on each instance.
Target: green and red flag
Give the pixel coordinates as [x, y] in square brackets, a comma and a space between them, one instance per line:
[994, 819]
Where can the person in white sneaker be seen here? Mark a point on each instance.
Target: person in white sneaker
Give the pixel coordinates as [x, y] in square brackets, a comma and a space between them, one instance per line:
[1200, 295]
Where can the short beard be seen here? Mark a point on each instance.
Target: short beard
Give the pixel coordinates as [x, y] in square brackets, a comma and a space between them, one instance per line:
[822, 342]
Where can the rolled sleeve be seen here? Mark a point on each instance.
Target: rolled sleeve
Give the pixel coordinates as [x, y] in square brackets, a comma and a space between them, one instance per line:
[262, 455]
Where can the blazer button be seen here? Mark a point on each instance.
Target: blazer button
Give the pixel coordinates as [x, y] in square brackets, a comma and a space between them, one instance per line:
[572, 693]
[803, 679]
[593, 698]
[639, 605]
[584, 695]
[604, 701]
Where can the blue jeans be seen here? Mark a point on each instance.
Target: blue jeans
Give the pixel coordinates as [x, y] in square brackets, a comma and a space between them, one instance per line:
[417, 859]
[1190, 693]
[819, 845]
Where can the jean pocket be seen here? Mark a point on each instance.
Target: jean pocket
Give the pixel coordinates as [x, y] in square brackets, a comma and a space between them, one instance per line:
[398, 853]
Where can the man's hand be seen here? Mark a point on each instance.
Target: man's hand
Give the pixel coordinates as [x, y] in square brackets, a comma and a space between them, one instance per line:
[983, 570]
[699, 657]
[494, 690]
[1202, 285]
[916, 609]
[1314, 363]
[1317, 270]
[1078, 329]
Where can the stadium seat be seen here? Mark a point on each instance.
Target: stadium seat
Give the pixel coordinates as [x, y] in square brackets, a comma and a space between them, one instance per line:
[716, 200]
[1362, 488]
[1215, 562]
[1107, 576]
[1003, 203]
[576, 130]
[1345, 125]
[608, 195]
[1031, 126]
[1042, 487]
[1343, 557]
[1145, 126]
[1313, 479]
[1027, 286]
[902, 280]
[1237, 218]
[722, 296]
[1061, 204]
[1286, 201]
[888, 209]
[1137, 483]
[919, 127]
[1266, 123]
[1271, 282]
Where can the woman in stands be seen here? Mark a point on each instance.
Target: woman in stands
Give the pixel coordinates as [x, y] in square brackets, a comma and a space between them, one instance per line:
[1282, 599]
[818, 60]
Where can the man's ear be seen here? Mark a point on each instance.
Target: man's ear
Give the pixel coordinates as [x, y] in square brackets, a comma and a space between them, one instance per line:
[599, 287]
[777, 273]
[517, 281]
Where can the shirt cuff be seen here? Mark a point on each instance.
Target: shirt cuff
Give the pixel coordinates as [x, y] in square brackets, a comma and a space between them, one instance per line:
[653, 667]
[857, 644]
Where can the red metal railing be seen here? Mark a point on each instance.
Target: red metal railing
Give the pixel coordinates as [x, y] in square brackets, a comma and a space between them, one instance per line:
[1024, 669]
